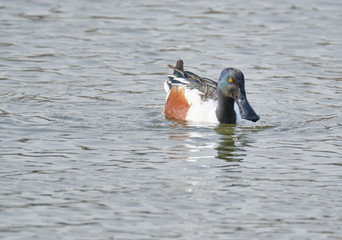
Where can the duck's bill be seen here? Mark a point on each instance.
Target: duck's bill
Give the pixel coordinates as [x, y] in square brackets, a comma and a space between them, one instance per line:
[246, 110]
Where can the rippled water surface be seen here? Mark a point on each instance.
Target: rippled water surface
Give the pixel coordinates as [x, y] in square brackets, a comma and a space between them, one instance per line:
[85, 152]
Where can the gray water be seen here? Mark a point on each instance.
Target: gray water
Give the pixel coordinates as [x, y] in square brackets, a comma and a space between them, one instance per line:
[86, 153]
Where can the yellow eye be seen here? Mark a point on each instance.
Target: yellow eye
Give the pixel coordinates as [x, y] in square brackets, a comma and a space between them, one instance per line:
[230, 80]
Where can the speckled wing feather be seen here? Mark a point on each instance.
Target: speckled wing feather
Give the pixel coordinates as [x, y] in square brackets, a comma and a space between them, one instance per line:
[209, 89]
[205, 86]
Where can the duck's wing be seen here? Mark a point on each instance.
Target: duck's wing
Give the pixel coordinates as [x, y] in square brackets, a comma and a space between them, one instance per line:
[205, 86]
[209, 89]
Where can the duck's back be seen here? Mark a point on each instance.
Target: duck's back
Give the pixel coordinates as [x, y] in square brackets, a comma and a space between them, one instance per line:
[206, 87]
[190, 97]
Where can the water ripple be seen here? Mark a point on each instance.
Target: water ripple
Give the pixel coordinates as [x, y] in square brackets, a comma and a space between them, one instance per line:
[87, 153]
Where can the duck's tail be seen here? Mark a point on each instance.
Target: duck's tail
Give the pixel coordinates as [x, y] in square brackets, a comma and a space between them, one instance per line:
[179, 65]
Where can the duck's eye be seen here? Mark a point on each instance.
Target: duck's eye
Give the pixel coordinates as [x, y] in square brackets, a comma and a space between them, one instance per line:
[230, 80]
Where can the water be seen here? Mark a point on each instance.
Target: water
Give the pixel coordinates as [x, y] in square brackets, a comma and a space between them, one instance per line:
[86, 153]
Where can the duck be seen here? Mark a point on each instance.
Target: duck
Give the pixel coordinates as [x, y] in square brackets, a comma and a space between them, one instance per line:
[190, 97]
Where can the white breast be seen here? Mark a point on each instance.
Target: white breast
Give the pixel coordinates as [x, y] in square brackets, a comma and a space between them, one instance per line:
[200, 111]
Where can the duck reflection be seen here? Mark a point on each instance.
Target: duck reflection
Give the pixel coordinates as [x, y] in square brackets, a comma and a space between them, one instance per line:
[178, 151]
[231, 145]
[195, 142]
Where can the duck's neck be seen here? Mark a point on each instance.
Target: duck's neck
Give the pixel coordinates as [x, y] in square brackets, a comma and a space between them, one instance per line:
[225, 112]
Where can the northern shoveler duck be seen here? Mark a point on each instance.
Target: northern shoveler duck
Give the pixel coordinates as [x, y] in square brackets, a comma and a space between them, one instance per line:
[194, 98]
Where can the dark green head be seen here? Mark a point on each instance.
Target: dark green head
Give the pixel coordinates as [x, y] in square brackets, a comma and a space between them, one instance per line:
[231, 85]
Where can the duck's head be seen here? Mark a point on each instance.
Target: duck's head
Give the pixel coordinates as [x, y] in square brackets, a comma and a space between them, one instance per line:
[231, 84]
